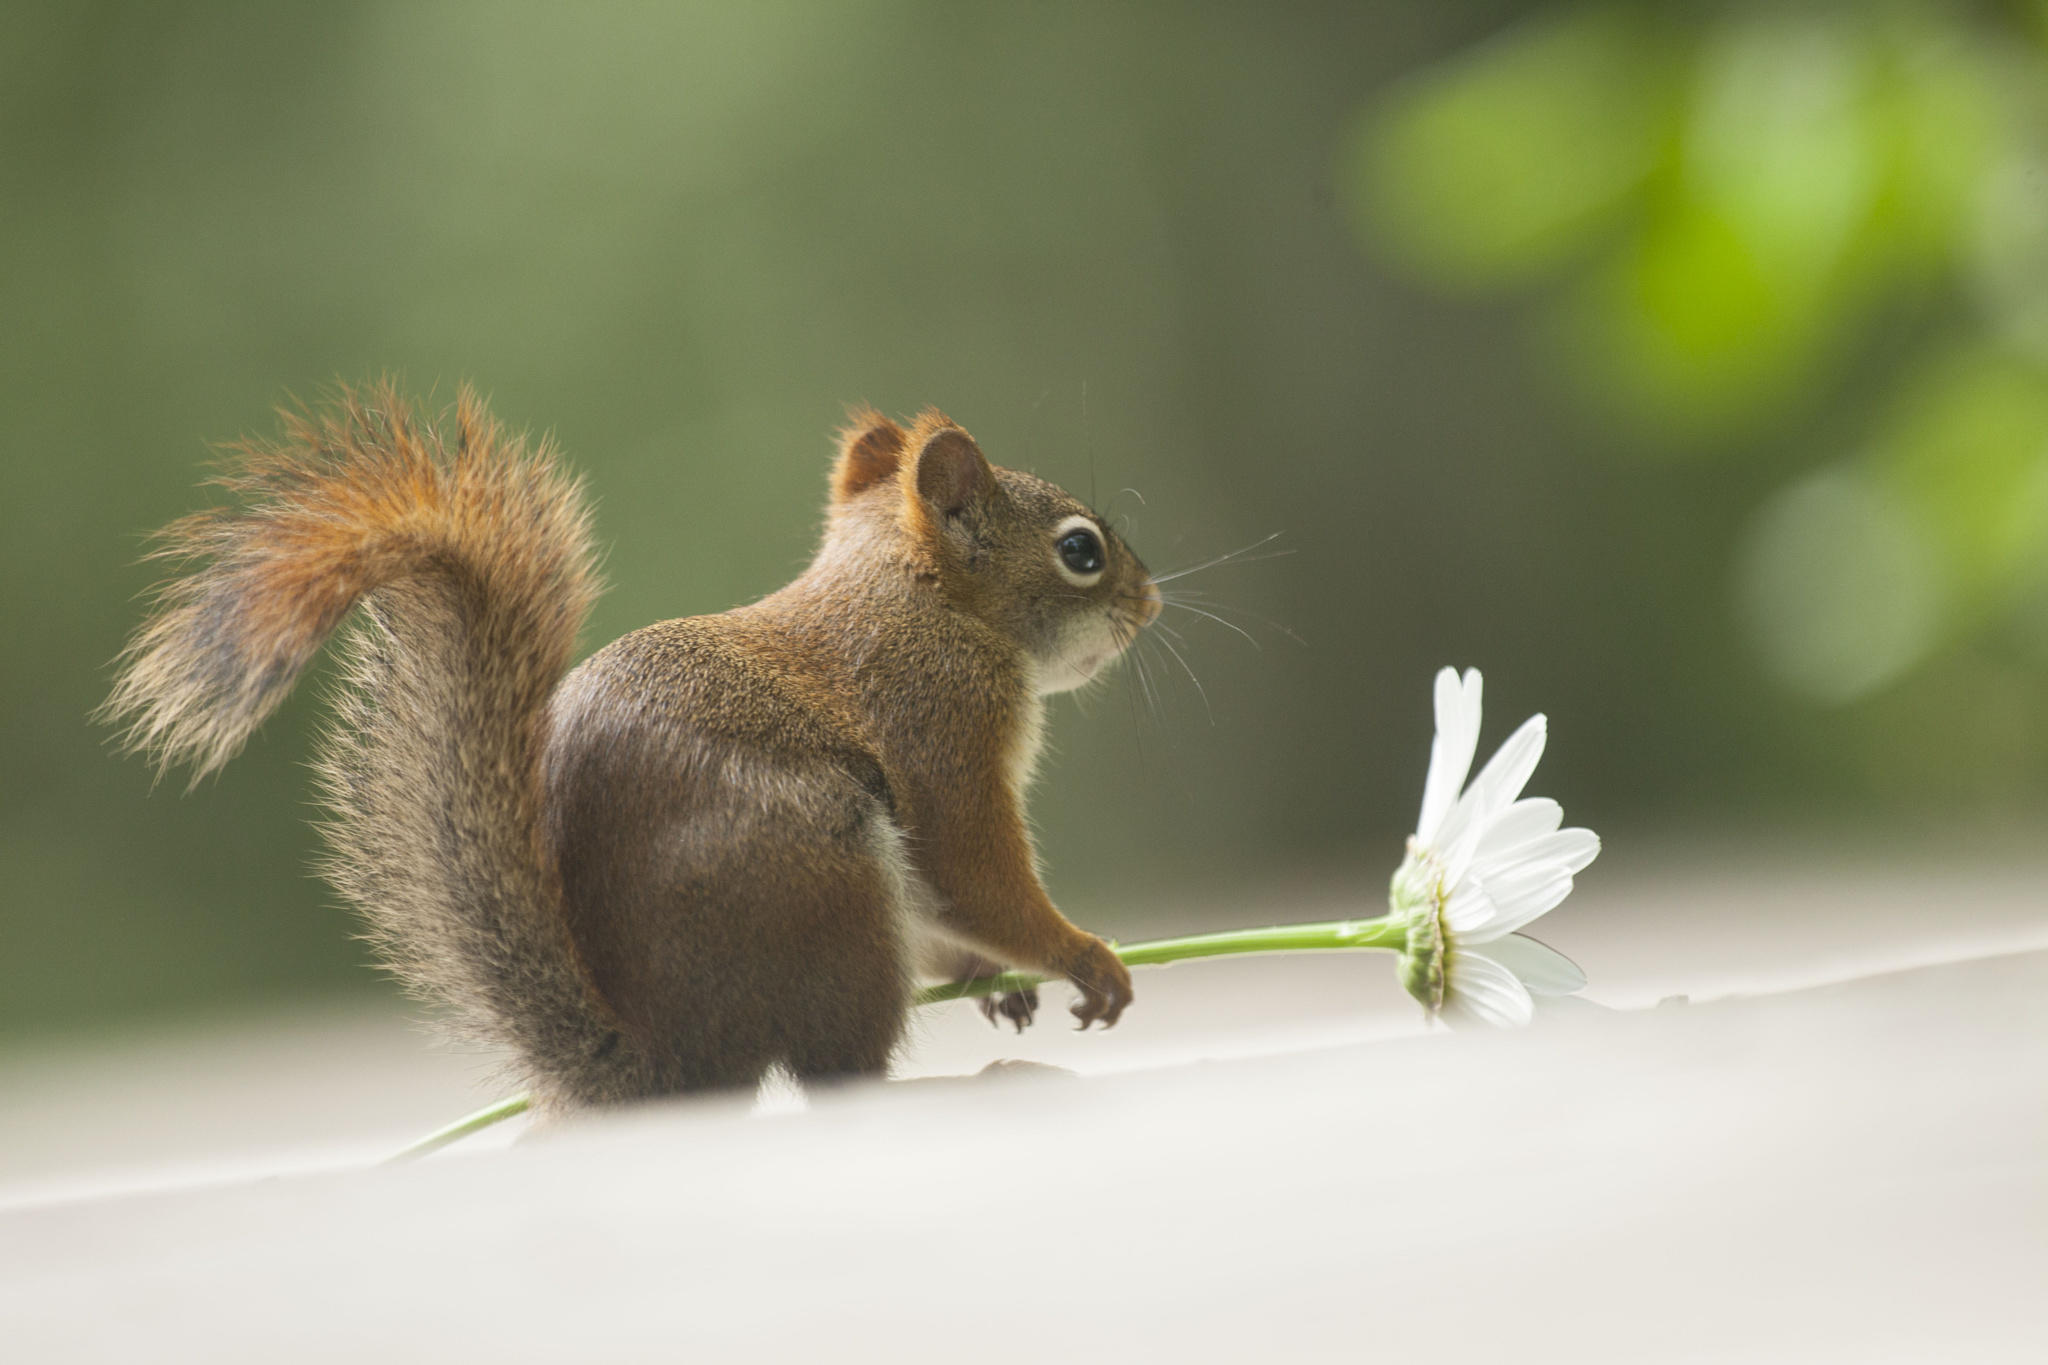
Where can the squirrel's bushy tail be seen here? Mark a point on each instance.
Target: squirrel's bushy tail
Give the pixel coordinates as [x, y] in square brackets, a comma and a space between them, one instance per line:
[472, 558]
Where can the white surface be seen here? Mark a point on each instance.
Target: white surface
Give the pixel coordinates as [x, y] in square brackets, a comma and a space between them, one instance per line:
[1857, 1172]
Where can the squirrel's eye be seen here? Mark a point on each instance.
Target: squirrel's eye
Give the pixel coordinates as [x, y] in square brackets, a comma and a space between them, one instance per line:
[1081, 551]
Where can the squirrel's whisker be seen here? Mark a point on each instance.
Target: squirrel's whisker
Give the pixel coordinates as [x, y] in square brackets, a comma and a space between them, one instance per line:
[1151, 693]
[1281, 553]
[1184, 599]
[1227, 625]
[1200, 691]
[1224, 559]
[1137, 723]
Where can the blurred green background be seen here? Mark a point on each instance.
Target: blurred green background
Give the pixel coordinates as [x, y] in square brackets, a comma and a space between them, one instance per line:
[1684, 367]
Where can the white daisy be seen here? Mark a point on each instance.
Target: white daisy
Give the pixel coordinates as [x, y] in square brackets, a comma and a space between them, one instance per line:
[1480, 866]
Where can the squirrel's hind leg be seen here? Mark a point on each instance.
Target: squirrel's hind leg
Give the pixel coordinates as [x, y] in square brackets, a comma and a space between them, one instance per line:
[736, 905]
[771, 930]
[848, 1016]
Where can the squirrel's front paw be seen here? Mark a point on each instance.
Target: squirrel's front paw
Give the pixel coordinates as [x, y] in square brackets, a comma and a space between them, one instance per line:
[1019, 1007]
[1104, 982]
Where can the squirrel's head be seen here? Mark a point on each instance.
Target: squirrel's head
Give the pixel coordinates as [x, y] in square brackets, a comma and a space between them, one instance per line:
[1015, 551]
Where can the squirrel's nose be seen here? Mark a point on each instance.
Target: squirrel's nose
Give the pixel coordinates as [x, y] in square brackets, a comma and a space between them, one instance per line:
[1150, 603]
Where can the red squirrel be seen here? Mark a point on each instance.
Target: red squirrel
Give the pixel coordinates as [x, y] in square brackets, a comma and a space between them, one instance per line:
[720, 843]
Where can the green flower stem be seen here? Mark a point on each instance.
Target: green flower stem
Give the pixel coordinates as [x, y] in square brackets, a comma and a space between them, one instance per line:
[1388, 932]
[1384, 932]
[509, 1107]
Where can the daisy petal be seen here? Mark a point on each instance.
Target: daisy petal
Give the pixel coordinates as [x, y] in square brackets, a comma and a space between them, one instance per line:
[1458, 835]
[1507, 772]
[1530, 818]
[1538, 966]
[1517, 901]
[1469, 910]
[1478, 990]
[1566, 851]
[1450, 752]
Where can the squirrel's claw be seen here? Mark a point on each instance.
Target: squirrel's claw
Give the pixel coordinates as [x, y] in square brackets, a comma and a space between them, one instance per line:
[1092, 1008]
[1019, 1007]
[1105, 986]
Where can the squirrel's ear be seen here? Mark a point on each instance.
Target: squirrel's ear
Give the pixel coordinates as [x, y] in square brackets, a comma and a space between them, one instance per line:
[870, 448]
[951, 472]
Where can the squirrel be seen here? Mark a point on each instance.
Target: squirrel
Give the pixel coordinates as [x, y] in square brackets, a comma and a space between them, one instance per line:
[718, 844]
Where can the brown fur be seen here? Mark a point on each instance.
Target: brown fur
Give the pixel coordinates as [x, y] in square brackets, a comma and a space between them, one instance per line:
[719, 843]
